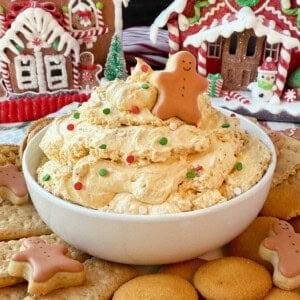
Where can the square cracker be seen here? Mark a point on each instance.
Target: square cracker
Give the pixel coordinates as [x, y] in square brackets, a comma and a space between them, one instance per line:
[102, 279]
[8, 249]
[18, 221]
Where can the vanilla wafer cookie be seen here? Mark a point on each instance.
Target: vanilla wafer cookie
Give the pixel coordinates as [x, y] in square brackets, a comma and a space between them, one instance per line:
[102, 279]
[18, 221]
[9, 248]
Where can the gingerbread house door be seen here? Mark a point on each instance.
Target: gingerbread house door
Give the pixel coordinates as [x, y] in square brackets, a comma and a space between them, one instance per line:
[240, 58]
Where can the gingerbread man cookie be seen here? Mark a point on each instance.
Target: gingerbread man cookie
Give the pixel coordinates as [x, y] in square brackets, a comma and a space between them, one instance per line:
[89, 71]
[12, 185]
[179, 87]
[282, 249]
[46, 267]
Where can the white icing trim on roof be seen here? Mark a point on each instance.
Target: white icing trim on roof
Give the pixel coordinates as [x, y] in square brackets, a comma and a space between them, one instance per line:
[245, 19]
[177, 6]
[36, 20]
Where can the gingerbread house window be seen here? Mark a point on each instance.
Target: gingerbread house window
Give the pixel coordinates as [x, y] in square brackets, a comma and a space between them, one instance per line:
[271, 50]
[26, 72]
[214, 49]
[233, 43]
[56, 71]
[252, 41]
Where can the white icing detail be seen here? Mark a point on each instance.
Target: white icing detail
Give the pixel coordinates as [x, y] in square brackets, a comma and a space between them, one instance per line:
[285, 4]
[42, 84]
[25, 72]
[183, 22]
[211, 12]
[118, 16]
[245, 19]
[56, 71]
[37, 22]
[266, 2]
[177, 6]
[83, 7]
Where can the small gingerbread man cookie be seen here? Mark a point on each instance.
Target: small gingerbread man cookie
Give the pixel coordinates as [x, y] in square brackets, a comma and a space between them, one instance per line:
[45, 266]
[12, 185]
[282, 249]
[179, 87]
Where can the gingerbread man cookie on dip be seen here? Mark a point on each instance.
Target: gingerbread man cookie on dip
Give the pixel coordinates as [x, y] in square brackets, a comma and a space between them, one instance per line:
[179, 86]
[282, 249]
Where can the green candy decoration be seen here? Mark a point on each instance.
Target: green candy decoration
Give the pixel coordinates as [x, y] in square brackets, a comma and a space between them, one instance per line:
[197, 7]
[65, 9]
[99, 5]
[1, 10]
[55, 44]
[247, 2]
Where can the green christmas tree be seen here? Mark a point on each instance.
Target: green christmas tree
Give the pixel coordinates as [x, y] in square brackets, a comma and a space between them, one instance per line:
[115, 66]
[294, 80]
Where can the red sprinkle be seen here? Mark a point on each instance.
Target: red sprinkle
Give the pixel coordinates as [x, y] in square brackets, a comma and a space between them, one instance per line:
[78, 186]
[198, 168]
[144, 68]
[70, 127]
[130, 158]
[135, 109]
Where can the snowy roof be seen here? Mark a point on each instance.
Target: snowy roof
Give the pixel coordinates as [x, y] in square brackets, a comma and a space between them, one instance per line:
[37, 22]
[177, 6]
[244, 19]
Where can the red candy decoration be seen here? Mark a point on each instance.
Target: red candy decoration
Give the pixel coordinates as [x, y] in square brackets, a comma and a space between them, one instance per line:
[144, 68]
[135, 109]
[70, 127]
[130, 158]
[198, 168]
[78, 186]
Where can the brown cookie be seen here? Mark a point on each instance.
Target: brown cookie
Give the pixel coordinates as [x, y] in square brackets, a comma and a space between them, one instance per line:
[9, 154]
[283, 199]
[32, 130]
[156, 286]
[232, 278]
[248, 242]
[282, 249]
[46, 267]
[179, 87]
[185, 269]
[278, 294]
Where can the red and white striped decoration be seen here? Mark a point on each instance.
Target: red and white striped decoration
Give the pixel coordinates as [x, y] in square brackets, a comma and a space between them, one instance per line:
[283, 65]
[2, 21]
[173, 36]
[5, 76]
[202, 53]
[235, 95]
[76, 73]
[90, 32]
[100, 18]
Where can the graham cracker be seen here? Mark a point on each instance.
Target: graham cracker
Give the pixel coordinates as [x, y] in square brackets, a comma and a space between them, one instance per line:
[18, 221]
[9, 154]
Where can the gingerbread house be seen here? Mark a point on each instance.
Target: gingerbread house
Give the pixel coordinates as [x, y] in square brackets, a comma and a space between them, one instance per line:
[54, 46]
[234, 37]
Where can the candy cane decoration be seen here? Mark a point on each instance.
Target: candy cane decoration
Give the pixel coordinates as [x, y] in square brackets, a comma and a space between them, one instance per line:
[2, 21]
[234, 95]
[76, 74]
[202, 53]
[283, 65]
[173, 30]
[5, 76]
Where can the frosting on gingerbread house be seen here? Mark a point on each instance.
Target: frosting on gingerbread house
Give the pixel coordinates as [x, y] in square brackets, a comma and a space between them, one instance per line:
[234, 37]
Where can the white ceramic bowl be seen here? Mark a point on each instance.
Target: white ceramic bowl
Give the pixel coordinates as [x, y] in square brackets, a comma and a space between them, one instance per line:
[154, 239]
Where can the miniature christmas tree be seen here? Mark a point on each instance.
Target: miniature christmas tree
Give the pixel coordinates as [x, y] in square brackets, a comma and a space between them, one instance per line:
[115, 66]
[294, 80]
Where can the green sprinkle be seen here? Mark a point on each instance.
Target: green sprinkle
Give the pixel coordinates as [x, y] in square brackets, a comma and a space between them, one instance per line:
[76, 115]
[79, 104]
[163, 141]
[1, 10]
[99, 5]
[239, 166]
[46, 177]
[225, 125]
[191, 175]
[103, 172]
[145, 86]
[103, 146]
[65, 9]
[106, 111]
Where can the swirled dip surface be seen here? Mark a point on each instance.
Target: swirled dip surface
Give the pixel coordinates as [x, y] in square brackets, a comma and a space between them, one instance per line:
[113, 154]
